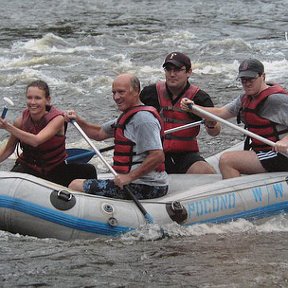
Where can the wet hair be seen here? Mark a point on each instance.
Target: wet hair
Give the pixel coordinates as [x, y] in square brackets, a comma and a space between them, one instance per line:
[42, 85]
[135, 83]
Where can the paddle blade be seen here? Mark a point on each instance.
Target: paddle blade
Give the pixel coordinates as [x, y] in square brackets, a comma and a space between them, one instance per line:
[79, 155]
[148, 218]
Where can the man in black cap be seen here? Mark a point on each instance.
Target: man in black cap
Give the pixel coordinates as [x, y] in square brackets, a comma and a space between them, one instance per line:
[181, 148]
[263, 109]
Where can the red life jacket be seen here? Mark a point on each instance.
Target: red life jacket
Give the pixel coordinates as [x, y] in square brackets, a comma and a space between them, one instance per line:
[184, 140]
[123, 151]
[47, 155]
[257, 124]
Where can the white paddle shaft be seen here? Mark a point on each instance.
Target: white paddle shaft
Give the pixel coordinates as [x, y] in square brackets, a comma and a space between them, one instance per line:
[219, 119]
[244, 131]
[94, 147]
[189, 125]
[147, 216]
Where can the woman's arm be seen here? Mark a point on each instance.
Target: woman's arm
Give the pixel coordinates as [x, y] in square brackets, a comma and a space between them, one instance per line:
[52, 128]
[9, 148]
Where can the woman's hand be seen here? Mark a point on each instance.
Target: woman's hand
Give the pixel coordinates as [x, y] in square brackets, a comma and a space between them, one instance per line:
[3, 123]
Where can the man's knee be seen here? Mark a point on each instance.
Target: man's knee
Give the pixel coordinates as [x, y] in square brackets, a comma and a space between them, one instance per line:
[225, 160]
[76, 184]
[201, 167]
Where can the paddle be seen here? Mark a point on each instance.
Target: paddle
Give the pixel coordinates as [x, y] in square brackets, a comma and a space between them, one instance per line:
[244, 131]
[147, 216]
[5, 109]
[189, 125]
[84, 155]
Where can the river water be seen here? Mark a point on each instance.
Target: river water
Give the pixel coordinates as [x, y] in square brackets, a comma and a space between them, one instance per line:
[78, 47]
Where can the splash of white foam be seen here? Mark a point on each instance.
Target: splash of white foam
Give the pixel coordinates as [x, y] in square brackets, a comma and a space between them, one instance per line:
[155, 232]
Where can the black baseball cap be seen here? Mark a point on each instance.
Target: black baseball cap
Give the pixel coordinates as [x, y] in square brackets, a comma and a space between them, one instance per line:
[250, 68]
[178, 59]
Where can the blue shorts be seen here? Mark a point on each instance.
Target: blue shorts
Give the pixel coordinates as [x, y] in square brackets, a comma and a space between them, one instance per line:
[108, 188]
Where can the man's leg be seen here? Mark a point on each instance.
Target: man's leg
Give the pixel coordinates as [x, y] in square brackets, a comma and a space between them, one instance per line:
[234, 163]
[77, 185]
[201, 167]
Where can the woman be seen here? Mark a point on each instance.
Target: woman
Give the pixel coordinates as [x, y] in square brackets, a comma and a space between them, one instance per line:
[40, 131]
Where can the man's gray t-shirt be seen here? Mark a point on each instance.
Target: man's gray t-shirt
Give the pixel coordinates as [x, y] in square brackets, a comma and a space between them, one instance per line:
[144, 130]
[274, 109]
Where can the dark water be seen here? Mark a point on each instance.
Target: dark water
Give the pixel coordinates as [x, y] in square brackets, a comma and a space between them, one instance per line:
[78, 47]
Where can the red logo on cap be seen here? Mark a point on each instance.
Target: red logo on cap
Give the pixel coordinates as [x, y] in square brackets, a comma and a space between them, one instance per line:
[244, 66]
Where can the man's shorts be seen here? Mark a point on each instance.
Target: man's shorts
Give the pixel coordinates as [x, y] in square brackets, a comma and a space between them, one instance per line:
[273, 161]
[108, 188]
[179, 163]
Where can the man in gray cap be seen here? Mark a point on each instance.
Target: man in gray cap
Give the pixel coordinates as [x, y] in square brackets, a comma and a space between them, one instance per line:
[263, 109]
[181, 148]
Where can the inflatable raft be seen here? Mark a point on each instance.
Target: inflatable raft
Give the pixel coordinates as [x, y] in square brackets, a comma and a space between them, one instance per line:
[35, 207]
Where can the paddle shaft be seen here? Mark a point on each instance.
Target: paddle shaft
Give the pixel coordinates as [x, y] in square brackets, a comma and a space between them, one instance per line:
[4, 112]
[89, 153]
[244, 131]
[139, 205]
[5, 109]
[189, 125]
[94, 147]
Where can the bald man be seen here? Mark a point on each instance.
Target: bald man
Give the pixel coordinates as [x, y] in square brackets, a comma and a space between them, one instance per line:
[138, 155]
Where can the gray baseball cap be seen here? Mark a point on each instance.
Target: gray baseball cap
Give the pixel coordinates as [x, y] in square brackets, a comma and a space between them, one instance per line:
[250, 68]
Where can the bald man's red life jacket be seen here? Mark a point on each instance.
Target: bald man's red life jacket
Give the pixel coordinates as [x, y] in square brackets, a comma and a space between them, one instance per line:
[123, 151]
